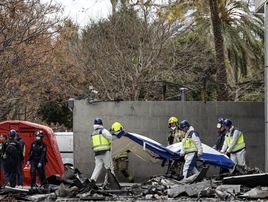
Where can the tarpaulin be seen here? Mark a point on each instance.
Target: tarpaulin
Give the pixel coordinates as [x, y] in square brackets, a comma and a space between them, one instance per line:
[152, 151]
[27, 133]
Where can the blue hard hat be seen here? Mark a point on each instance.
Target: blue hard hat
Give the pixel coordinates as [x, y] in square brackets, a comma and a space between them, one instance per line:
[12, 133]
[98, 121]
[183, 124]
[227, 123]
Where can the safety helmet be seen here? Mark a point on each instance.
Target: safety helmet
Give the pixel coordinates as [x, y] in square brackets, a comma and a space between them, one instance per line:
[183, 124]
[12, 133]
[116, 127]
[172, 119]
[98, 121]
[220, 122]
[39, 133]
[227, 123]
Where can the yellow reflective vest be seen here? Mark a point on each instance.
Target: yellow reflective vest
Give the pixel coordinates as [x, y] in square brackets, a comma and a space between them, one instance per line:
[240, 143]
[175, 136]
[189, 144]
[99, 141]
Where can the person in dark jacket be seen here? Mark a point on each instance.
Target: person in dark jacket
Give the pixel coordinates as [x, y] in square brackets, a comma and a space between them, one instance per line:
[220, 135]
[21, 160]
[3, 138]
[37, 159]
[220, 140]
[11, 156]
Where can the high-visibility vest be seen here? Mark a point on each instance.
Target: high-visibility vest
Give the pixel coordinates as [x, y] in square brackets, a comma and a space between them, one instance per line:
[177, 136]
[188, 143]
[240, 143]
[99, 141]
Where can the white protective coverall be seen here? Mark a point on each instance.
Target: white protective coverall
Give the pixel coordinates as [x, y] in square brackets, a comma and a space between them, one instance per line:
[238, 157]
[103, 159]
[191, 157]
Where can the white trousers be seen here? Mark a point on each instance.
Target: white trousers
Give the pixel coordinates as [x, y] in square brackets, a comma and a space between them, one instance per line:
[239, 158]
[190, 165]
[100, 160]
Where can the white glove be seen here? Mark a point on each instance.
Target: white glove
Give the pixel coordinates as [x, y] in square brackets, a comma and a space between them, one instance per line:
[39, 165]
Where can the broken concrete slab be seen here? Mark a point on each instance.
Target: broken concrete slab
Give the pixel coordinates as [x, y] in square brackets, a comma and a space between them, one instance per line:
[176, 191]
[41, 197]
[256, 193]
[16, 190]
[94, 197]
[234, 189]
[195, 189]
[208, 192]
[117, 192]
[252, 180]
[65, 191]
[189, 189]
[224, 195]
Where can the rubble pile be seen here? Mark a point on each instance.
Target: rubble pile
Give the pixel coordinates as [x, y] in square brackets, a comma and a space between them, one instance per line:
[72, 186]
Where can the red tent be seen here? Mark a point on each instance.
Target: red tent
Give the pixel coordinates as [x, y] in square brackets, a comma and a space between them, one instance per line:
[27, 132]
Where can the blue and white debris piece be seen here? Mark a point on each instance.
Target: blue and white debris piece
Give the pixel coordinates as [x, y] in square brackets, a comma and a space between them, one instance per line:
[152, 151]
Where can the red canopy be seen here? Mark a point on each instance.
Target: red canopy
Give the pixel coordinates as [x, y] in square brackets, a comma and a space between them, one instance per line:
[27, 132]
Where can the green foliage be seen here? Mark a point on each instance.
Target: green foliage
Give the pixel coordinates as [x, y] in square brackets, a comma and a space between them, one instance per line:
[253, 96]
[56, 112]
[242, 31]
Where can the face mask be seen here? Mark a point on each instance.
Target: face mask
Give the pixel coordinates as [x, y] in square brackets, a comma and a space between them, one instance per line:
[218, 125]
[38, 138]
[173, 128]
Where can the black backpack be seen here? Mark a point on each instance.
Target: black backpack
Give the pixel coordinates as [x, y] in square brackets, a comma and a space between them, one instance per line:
[12, 154]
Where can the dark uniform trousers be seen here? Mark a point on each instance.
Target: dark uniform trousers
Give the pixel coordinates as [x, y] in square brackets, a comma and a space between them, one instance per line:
[37, 156]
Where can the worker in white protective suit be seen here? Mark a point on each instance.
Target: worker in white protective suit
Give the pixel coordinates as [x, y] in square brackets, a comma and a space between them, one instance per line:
[234, 144]
[191, 149]
[101, 140]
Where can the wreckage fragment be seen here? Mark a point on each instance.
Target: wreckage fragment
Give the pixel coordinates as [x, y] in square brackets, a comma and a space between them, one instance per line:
[256, 193]
[252, 180]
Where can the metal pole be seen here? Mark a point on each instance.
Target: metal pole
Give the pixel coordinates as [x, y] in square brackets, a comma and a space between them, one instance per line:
[266, 83]
[183, 94]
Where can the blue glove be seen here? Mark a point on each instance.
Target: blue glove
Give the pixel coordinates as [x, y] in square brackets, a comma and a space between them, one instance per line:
[39, 165]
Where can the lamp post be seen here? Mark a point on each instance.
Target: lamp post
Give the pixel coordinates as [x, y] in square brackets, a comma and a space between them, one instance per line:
[262, 7]
[183, 93]
[266, 82]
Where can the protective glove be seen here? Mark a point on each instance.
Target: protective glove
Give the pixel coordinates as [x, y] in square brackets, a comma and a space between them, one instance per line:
[39, 165]
[199, 154]
[28, 163]
[182, 154]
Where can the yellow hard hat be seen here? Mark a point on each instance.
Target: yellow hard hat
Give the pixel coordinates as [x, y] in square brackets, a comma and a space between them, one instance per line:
[116, 127]
[173, 119]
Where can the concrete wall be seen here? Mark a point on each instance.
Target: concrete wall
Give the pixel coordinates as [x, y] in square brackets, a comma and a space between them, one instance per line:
[150, 119]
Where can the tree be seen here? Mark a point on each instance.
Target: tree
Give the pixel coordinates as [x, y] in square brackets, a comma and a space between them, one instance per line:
[241, 30]
[26, 34]
[120, 54]
[56, 112]
[222, 92]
